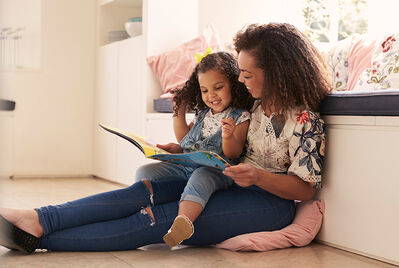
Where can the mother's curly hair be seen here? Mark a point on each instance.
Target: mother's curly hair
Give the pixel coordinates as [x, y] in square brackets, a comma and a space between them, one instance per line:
[190, 94]
[295, 73]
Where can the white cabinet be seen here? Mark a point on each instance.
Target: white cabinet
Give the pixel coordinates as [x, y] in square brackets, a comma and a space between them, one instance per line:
[130, 107]
[159, 127]
[360, 186]
[105, 103]
[119, 102]
[126, 86]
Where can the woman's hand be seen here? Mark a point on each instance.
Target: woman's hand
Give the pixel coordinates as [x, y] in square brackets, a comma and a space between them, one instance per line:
[173, 148]
[243, 174]
[228, 127]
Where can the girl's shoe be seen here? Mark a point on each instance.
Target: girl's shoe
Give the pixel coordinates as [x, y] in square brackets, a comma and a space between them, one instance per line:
[182, 229]
[13, 237]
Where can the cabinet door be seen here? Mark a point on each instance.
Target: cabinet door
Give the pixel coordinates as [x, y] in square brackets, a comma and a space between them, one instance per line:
[159, 127]
[160, 130]
[105, 104]
[131, 106]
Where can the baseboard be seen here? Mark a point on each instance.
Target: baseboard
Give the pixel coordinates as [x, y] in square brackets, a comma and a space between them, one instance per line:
[61, 176]
[394, 262]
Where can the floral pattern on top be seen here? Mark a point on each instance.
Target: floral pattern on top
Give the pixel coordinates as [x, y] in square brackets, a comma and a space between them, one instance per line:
[297, 148]
[212, 121]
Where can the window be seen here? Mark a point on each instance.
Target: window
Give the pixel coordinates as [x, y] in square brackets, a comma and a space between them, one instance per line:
[332, 20]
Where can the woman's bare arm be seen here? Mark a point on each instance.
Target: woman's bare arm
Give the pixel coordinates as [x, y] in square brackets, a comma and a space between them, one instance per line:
[285, 186]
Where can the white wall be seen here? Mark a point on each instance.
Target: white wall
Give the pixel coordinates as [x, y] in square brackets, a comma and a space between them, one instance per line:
[229, 16]
[54, 113]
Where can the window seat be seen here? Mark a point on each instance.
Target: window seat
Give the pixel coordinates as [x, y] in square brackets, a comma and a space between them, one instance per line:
[362, 102]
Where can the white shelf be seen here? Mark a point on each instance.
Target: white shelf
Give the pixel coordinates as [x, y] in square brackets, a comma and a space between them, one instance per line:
[113, 14]
[122, 41]
[165, 116]
[121, 3]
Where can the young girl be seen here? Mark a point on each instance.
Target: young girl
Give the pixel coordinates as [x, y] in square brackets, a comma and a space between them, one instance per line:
[220, 102]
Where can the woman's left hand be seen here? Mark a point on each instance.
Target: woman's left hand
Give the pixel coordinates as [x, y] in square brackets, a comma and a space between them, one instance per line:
[243, 174]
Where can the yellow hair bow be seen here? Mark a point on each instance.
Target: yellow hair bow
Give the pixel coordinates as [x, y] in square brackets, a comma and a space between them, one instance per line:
[199, 56]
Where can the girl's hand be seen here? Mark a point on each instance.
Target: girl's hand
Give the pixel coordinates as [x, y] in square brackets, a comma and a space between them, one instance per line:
[243, 174]
[228, 127]
[173, 148]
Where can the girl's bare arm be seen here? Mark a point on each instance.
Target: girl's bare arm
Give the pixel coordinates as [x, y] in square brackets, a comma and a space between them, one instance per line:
[180, 126]
[234, 137]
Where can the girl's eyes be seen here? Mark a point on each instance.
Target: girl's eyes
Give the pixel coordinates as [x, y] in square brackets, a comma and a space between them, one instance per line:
[247, 77]
[216, 88]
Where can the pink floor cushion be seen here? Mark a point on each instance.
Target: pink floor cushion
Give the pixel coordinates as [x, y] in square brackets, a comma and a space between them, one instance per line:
[299, 233]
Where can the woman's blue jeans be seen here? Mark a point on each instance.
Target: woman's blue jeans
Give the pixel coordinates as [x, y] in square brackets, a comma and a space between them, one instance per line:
[116, 220]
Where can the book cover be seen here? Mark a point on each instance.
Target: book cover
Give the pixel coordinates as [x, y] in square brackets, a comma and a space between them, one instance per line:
[192, 159]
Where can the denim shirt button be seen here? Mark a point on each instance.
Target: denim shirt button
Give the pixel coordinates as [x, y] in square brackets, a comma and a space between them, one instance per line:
[196, 146]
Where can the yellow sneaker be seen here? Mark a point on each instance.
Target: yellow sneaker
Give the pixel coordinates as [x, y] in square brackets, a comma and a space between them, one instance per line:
[182, 229]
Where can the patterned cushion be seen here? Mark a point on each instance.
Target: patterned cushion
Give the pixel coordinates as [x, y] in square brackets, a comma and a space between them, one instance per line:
[384, 71]
[337, 62]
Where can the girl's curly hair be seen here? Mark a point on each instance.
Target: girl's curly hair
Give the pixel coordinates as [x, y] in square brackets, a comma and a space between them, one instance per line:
[190, 94]
[295, 73]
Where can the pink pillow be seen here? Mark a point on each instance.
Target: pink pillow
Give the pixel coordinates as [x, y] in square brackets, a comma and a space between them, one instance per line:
[299, 233]
[173, 68]
[359, 58]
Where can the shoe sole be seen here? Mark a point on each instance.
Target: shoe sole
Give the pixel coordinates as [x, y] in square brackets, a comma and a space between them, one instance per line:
[180, 230]
[11, 236]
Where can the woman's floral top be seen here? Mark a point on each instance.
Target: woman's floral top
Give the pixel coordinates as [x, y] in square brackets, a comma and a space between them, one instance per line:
[291, 145]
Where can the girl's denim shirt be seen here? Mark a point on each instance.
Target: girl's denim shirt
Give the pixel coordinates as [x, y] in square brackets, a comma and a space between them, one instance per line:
[194, 140]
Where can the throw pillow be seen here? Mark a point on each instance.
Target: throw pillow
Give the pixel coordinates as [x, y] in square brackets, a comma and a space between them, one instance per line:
[337, 62]
[384, 70]
[173, 68]
[359, 58]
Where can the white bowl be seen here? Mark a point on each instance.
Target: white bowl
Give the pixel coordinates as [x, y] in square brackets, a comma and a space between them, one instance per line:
[133, 28]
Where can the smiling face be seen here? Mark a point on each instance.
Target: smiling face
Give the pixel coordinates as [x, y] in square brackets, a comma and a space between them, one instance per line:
[250, 74]
[215, 90]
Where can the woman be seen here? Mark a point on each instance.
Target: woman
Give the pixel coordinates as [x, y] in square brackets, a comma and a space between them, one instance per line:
[283, 163]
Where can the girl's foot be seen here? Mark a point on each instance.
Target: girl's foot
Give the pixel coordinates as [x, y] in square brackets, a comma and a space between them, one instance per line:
[182, 229]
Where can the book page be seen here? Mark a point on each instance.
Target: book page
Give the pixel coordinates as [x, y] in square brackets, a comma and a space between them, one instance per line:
[140, 142]
[148, 147]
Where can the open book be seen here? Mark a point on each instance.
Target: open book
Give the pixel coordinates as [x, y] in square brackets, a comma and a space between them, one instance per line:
[193, 159]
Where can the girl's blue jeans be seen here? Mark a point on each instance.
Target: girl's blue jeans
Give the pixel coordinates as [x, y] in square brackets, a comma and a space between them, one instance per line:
[116, 220]
[202, 182]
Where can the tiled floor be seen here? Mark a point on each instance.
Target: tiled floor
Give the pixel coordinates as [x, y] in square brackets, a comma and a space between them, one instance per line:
[34, 192]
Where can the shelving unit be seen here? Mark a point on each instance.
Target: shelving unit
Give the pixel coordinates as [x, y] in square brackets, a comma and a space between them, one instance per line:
[113, 14]
[126, 86]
